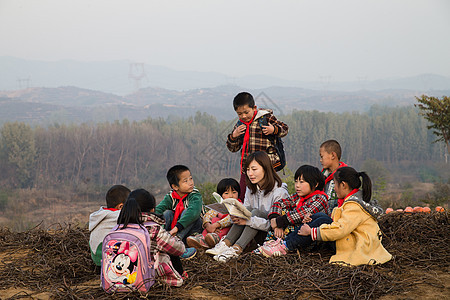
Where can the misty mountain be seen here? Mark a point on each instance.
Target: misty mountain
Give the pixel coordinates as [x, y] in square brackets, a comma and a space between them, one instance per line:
[125, 77]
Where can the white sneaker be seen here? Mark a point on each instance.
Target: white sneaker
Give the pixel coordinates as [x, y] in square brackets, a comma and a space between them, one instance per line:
[218, 248]
[226, 255]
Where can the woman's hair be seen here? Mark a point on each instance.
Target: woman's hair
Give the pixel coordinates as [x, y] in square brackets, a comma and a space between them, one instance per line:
[353, 179]
[138, 201]
[270, 176]
[130, 213]
[311, 175]
[227, 183]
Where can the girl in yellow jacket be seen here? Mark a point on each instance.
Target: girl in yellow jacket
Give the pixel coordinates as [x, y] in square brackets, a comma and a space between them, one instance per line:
[354, 228]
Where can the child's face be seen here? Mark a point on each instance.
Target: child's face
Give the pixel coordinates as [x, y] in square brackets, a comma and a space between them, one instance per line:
[255, 173]
[230, 193]
[341, 189]
[245, 112]
[302, 187]
[326, 159]
[185, 183]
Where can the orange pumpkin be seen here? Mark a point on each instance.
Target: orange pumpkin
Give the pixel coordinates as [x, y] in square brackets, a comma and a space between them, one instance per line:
[389, 210]
[409, 209]
[440, 209]
[426, 209]
[418, 209]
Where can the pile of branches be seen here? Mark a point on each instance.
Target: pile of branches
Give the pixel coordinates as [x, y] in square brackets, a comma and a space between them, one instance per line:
[57, 260]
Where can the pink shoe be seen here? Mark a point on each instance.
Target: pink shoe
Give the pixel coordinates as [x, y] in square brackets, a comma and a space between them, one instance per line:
[273, 248]
[212, 239]
[197, 241]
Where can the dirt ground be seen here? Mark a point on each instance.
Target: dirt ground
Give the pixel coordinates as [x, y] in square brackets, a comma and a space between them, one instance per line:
[55, 264]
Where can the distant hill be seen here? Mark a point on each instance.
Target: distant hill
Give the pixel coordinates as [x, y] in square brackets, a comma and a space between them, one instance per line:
[70, 104]
[121, 78]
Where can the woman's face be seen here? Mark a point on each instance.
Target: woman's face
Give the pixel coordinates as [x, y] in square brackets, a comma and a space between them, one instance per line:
[255, 173]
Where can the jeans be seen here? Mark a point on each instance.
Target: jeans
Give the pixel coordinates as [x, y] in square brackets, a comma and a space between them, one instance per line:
[294, 241]
[194, 227]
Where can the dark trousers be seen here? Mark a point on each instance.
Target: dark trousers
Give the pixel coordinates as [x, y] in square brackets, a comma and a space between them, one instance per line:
[294, 241]
[194, 227]
[176, 263]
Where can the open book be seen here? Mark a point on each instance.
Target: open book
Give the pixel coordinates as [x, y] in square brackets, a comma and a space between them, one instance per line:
[230, 206]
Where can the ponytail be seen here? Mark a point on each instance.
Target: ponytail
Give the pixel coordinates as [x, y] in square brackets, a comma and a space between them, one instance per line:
[366, 186]
[353, 179]
[130, 213]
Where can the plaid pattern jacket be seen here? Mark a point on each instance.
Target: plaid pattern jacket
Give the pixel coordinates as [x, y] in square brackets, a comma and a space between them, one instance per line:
[258, 140]
[225, 222]
[294, 215]
[163, 244]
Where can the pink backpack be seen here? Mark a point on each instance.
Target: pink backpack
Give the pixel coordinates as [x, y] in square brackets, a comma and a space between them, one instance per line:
[126, 260]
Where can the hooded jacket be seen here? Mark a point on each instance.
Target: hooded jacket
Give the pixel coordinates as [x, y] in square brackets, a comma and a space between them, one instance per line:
[101, 223]
[356, 232]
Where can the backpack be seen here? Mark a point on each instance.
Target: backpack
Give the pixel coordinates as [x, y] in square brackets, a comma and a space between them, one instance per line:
[277, 143]
[126, 261]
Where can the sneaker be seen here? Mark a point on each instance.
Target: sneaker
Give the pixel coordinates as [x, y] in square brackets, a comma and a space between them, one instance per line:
[273, 248]
[212, 239]
[197, 242]
[226, 255]
[189, 253]
[218, 248]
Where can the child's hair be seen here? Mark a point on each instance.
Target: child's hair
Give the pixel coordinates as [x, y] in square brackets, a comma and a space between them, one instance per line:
[242, 99]
[138, 201]
[227, 183]
[116, 195]
[130, 213]
[270, 176]
[311, 175]
[352, 178]
[145, 200]
[332, 146]
[174, 173]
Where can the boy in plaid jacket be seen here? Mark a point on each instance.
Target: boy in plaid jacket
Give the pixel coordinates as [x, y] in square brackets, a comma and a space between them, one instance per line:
[250, 134]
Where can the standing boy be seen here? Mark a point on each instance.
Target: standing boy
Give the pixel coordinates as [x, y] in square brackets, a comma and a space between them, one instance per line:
[103, 220]
[330, 156]
[253, 131]
[182, 207]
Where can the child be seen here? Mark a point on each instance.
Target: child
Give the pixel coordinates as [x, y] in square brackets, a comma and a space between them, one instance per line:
[215, 224]
[264, 188]
[250, 135]
[307, 204]
[182, 207]
[330, 155]
[102, 221]
[354, 228]
[165, 249]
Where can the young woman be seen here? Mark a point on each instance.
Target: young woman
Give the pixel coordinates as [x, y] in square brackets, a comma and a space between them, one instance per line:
[264, 187]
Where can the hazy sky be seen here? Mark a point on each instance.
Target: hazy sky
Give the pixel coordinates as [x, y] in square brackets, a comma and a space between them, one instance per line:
[298, 40]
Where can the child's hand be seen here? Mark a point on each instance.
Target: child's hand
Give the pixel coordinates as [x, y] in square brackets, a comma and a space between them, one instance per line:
[238, 221]
[279, 232]
[273, 223]
[304, 230]
[239, 131]
[210, 228]
[269, 129]
[307, 218]
[173, 231]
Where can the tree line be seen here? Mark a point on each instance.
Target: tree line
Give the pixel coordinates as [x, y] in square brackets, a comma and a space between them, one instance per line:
[139, 153]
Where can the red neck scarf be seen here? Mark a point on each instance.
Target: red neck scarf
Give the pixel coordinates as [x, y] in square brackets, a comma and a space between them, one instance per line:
[111, 209]
[303, 199]
[330, 177]
[341, 201]
[246, 137]
[179, 209]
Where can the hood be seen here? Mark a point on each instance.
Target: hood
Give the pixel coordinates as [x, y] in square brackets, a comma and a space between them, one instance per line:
[372, 207]
[102, 215]
[261, 112]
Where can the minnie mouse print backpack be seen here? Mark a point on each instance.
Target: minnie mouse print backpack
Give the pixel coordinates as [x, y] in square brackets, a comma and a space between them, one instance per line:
[126, 260]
